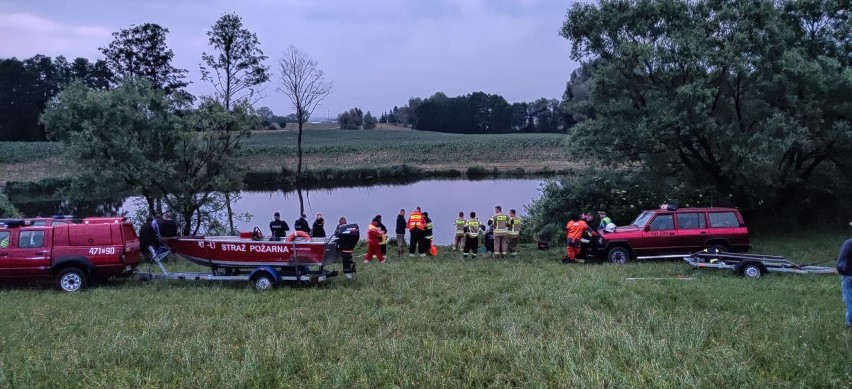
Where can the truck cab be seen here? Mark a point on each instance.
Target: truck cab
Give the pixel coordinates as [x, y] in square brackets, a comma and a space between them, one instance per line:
[72, 254]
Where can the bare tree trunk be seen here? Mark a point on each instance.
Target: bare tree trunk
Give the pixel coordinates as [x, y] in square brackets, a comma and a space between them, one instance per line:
[299, 153]
[230, 213]
[301, 199]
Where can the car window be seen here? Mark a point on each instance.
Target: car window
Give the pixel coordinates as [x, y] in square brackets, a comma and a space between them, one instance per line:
[724, 219]
[662, 223]
[691, 220]
[31, 239]
[642, 219]
[4, 239]
[39, 223]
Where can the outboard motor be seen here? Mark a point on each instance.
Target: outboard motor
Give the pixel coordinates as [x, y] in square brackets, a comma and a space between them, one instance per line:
[348, 236]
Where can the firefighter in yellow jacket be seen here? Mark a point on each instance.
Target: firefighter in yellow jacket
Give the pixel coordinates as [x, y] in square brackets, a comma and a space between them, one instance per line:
[500, 224]
[514, 232]
[459, 241]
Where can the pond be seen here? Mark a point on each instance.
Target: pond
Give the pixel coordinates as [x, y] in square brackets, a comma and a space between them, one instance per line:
[443, 199]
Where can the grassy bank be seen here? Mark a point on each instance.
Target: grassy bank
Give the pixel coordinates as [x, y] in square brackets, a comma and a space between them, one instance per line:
[526, 322]
[266, 153]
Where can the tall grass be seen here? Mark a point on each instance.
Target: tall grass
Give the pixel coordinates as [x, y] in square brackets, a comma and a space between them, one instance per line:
[529, 321]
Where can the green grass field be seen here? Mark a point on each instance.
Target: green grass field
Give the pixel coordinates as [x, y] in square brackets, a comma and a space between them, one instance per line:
[335, 149]
[527, 322]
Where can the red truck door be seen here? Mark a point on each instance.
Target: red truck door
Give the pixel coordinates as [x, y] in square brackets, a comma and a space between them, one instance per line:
[658, 237]
[691, 231]
[5, 253]
[28, 253]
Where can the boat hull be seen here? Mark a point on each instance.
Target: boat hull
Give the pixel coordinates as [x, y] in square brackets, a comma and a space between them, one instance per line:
[234, 252]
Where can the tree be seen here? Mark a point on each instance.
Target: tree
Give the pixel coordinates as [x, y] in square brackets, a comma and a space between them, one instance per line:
[369, 121]
[141, 52]
[137, 139]
[305, 85]
[238, 68]
[351, 119]
[750, 97]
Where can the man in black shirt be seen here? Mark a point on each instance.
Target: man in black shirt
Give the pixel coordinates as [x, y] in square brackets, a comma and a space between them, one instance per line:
[302, 225]
[278, 227]
[148, 238]
[401, 226]
[168, 227]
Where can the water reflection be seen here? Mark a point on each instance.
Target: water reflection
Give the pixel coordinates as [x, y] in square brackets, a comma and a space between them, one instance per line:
[443, 199]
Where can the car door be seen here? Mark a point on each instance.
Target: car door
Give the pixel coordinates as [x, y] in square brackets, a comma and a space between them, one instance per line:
[6, 252]
[30, 255]
[691, 231]
[658, 236]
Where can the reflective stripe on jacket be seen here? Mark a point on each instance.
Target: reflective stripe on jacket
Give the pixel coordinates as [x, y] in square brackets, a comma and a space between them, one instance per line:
[514, 227]
[500, 221]
[415, 220]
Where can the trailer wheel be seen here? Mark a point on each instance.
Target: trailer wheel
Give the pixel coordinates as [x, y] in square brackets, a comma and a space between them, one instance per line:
[618, 255]
[71, 279]
[751, 270]
[263, 282]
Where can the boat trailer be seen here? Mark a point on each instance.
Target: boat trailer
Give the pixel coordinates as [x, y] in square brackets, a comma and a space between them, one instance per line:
[752, 265]
[262, 278]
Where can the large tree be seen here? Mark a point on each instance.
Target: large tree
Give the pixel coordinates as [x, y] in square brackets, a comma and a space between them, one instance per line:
[235, 70]
[138, 139]
[753, 97]
[141, 52]
[304, 83]
[237, 67]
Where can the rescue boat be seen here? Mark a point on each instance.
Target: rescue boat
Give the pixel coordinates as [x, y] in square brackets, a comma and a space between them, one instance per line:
[251, 250]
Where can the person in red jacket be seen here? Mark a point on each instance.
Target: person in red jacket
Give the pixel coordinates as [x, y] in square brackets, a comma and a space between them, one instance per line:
[575, 229]
[374, 240]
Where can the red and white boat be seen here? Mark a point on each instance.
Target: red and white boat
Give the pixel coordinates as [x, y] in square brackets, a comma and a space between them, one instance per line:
[245, 252]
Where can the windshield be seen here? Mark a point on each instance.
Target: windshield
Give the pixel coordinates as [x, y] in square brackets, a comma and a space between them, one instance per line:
[642, 219]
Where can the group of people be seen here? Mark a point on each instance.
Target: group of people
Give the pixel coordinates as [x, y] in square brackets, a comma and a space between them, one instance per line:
[501, 233]
[583, 226]
[279, 228]
[155, 228]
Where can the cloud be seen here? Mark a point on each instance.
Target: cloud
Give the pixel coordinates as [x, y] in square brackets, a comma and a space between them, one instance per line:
[26, 34]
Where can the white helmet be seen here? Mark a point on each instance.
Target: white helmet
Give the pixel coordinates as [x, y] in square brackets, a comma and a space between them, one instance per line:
[610, 227]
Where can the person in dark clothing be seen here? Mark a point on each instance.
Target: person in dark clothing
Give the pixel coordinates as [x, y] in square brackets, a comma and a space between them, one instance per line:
[318, 230]
[384, 243]
[302, 225]
[400, 232]
[278, 227]
[148, 238]
[168, 227]
[844, 267]
[427, 237]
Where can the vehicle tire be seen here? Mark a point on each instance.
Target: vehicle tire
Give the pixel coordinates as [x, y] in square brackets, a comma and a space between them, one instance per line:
[71, 279]
[263, 282]
[618, 255]
[751, 270]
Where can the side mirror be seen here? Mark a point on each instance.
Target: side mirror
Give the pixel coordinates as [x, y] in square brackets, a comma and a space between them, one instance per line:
[648, 228]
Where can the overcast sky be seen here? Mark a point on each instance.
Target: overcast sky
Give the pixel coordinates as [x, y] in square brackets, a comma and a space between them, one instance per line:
[378, 53]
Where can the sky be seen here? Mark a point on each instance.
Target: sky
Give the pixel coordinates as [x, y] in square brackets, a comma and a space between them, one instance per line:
[378, 53]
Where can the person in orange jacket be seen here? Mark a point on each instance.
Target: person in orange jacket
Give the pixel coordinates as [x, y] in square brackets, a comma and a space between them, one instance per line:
[375, 236]
[417, 229]
[575, 229]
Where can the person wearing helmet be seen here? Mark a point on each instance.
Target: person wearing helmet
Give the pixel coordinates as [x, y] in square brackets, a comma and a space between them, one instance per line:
[604, 220]
[575, 229]
[610, 227]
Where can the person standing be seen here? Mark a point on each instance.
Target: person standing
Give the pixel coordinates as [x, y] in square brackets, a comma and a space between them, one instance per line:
[604, 220]
[345, 250]
[318, 231]
[400, 232]
[384, 243]
[156, 224]
[500, 222]
[473, 228]
[148, 238]
[417, 233]
[844, 268]
[302, 225]
[459, 241]
[168, 226]
[278, 227]
[374, 238]
[514, 232]
[575, 230]
[427, 238]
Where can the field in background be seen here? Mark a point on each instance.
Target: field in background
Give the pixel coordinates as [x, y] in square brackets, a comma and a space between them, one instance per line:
[525, 322]
[327, 148]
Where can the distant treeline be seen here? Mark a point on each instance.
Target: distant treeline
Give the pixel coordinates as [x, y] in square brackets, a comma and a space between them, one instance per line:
[26, 87]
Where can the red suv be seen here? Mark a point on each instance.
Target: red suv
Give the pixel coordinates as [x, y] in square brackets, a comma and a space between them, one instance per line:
[670, 232]
[72, 254]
